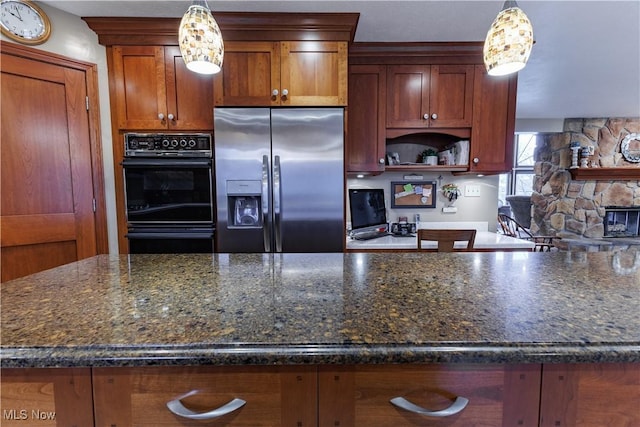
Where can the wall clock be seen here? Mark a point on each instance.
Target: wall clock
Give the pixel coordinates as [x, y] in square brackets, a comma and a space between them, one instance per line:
[24, 22]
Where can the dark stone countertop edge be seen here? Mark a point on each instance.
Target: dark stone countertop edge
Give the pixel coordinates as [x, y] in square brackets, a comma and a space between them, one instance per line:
[316, 355]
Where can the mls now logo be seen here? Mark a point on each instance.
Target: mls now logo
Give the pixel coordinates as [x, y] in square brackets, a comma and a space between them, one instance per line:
[24, 414]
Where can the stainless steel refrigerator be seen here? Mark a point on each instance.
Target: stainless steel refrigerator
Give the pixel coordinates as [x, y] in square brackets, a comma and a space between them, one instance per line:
[279, 179]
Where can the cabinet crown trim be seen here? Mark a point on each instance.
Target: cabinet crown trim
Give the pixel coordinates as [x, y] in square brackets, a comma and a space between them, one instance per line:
[239, 26]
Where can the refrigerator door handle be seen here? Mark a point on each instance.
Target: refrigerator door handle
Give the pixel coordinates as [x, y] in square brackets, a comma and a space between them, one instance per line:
[277, 199]
[265, 205]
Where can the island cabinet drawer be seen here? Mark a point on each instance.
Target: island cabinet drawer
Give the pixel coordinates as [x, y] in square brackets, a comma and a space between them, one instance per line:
[590, 395]
[214, 396]
[46, 397]
[433, 395]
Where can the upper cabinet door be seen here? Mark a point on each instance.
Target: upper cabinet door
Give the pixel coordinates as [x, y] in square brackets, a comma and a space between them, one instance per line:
[283, 73]
[250, 75]
[139, 87]
[492, 133]
[313, 73]
[430, 96]
[189, 94]
[155, 91]
[451, 96]
[408, 96]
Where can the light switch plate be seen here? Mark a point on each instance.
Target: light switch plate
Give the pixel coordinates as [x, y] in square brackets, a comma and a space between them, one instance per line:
[449, 209]
[472, 190]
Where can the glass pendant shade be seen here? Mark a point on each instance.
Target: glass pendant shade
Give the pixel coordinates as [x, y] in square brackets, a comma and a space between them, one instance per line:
[200, 40]
[509, 41]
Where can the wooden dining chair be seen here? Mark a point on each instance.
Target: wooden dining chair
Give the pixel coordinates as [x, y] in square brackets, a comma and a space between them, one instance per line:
[447, 238]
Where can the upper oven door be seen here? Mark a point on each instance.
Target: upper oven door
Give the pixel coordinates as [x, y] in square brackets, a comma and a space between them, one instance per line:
[168, 191]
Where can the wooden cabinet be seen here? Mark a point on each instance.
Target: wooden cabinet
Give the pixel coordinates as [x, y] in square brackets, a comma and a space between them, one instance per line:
[273, 396]
[492, 132]
[362, 395]
[288, 73]
[590, 395]
[154, 90]
[429, 96]
[365, 144]
[46, 397]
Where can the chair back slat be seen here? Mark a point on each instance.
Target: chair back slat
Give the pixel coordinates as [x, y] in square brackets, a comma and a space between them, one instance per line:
[446, 238]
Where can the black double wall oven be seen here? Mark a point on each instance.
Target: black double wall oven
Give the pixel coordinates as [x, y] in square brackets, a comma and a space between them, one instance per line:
[168, 184]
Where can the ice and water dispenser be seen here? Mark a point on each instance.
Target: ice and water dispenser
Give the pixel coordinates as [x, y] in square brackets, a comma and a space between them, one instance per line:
[244, 198]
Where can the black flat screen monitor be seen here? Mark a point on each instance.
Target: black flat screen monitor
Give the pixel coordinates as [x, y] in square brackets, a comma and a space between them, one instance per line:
[367, 208]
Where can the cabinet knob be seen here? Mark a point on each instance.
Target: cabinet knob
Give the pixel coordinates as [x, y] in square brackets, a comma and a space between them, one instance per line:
[381, 161]
[160, 116]
[275, 93]
[285, 92]
[171, 117]
[426, 116]
[476, 160]
[434, 116]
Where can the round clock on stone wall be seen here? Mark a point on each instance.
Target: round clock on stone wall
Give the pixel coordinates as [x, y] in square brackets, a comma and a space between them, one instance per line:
[24, 22]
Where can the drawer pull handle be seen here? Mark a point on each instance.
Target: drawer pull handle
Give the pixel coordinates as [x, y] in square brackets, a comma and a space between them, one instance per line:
[177, 408]
[458, 405]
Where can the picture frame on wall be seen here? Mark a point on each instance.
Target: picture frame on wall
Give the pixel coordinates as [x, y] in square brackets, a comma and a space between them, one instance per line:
[413, 194]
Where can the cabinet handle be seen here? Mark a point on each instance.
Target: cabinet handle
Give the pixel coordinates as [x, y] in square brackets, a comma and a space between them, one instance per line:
[171, 117]
[476, 160]
[434, 116]
[275, 93]
[458, 405]
[285, 92]
[160, 116]
[426, 116]
[177, 408]
[381, 160]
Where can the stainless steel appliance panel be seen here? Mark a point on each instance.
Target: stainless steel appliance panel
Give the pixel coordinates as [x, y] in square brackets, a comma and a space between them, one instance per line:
[308, 182]
[242, 142]
[285, 165]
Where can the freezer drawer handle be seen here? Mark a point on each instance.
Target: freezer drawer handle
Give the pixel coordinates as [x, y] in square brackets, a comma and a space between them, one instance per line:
[458, 405]
[177, 408]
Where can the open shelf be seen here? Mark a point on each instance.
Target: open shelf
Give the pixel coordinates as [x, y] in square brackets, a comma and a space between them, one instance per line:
[605, 174]
[421, 167]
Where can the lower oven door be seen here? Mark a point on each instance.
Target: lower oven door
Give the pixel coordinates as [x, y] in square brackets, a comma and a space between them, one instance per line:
[168, 191]
[170, 240]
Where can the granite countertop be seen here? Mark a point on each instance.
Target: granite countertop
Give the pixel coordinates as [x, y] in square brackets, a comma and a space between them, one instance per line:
[501, 307]
[484, 240]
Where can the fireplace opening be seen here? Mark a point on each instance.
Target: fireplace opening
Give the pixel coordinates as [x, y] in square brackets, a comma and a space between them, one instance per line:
[622, 221]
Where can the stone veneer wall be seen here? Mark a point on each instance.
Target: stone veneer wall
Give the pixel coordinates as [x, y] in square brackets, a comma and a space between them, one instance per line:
[576, 209]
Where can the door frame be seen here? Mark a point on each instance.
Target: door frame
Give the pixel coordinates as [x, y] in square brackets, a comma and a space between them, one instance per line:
[91, 79]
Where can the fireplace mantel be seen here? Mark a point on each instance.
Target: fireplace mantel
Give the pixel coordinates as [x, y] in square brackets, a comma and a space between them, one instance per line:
[605, 174]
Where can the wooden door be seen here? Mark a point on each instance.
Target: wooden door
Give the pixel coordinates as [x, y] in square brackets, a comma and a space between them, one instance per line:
[274, 396]
[250, 73]
[408, 89]
[46, 397]
[365, 143]
[451, 96]
[590, 395]
[313, 73]
[494, 114]
[139, 87]
[47, 186]
[189, 94]
[498, 395]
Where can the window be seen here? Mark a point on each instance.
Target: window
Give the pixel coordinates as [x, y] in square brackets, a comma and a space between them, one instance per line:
[520, 179]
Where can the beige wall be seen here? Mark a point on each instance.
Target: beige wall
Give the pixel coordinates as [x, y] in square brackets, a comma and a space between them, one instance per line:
[71, 37]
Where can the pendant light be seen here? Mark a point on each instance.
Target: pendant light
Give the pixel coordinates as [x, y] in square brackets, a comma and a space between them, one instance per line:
[509, 41]
[200, 39]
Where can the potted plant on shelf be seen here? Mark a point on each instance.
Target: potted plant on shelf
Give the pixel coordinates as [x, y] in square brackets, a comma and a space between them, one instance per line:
[429, 157]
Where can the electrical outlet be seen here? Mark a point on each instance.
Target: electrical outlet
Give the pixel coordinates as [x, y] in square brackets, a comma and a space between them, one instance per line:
[472, 190]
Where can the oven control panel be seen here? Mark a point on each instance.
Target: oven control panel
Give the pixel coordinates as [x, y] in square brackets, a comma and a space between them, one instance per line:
[167, 145]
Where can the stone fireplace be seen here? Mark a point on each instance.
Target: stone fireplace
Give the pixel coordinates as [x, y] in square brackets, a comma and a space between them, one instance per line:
[581, 208]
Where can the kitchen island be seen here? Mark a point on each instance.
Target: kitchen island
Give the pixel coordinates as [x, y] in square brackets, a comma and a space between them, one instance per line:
[323, 314]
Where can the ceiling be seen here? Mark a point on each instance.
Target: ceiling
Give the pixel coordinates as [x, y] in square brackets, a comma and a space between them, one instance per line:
[585, 62]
